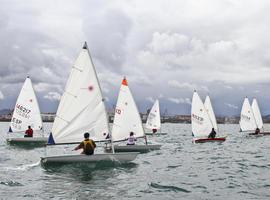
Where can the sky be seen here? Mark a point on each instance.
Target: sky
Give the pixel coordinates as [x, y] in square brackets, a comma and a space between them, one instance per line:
[165, 48]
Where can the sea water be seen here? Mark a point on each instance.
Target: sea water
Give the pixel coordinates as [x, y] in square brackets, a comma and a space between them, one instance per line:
[239, 168]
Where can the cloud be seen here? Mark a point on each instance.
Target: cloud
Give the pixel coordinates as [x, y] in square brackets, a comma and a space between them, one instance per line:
[185, 85]
[179, 100]
[151, 99]
[231, 106]
[53, 96]
[1, 95]
[222, 50]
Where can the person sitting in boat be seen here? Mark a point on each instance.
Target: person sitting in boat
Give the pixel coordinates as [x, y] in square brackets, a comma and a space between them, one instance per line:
[212, 134]
[28, 132]
[154, 130]
[257, 131]
[88, 145]
[131, 139]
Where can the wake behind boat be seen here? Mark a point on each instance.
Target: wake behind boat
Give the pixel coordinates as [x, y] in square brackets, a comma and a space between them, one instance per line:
[127, 120]
[81, 110]
[203, 121]
[26, 113]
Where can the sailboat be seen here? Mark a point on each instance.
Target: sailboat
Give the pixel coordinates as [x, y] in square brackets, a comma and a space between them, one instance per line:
[82, 109]
[127, 119]
[247, 119]
[153, 120]
[26, 113]
[202, 118]
[251, 118]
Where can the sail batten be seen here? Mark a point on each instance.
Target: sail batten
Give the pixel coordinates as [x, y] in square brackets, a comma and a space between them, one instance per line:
[81, 107]
[153, 119]
[127, 118]
[26, 112]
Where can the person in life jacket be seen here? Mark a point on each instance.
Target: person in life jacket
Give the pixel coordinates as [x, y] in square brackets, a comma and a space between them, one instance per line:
[87, 145]
[28, 132]
[131, 139]
[212, 134]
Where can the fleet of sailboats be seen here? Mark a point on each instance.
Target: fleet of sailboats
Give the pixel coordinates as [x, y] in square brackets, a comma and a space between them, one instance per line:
[82, 109]
[26, 113]
[203, 120]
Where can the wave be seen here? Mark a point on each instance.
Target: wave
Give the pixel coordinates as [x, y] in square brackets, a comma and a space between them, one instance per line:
[168, 188]
[23, 167]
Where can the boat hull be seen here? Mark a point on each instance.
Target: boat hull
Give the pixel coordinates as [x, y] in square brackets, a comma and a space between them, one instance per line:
[260, 134]
[155, 133]
[134, 148]
[204, 140]
[81, 158]
[28, 141]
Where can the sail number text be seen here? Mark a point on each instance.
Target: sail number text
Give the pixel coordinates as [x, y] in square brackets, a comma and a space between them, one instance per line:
[22, 111]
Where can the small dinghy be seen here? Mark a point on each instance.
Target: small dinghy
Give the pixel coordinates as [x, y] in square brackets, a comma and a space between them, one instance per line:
[203, 120]
[82, 109]
[26, 113]
[127, 119]
[251, 119]
[153, 122]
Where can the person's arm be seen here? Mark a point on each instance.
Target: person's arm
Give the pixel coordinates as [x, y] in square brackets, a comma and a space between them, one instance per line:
[94, 144]
[80, 146]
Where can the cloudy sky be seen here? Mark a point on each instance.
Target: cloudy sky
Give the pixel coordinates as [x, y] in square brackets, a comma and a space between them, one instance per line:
[165, 48]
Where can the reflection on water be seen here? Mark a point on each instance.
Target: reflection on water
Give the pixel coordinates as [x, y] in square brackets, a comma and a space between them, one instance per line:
[235, 169]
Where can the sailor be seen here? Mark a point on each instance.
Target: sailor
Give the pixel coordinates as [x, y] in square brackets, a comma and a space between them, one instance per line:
[131, 139]
[212, 134]
[28, 132]
[257, 131]
[88, 145]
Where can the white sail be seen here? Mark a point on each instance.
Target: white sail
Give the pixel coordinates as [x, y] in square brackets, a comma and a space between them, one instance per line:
[26, 112]
[153, 119]
[209, 109]
[127, 118]
[200, 120]
[82, 107]
[257, 113]
[247, 120]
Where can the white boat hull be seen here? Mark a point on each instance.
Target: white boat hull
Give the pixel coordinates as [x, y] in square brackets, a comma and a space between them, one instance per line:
[135, 148]
[42, 141]
[81, 158]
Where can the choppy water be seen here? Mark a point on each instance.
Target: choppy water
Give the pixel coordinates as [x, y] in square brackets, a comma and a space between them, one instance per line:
[236, 169]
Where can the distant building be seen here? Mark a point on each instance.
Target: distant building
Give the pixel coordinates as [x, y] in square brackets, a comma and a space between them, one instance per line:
[48, 117]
